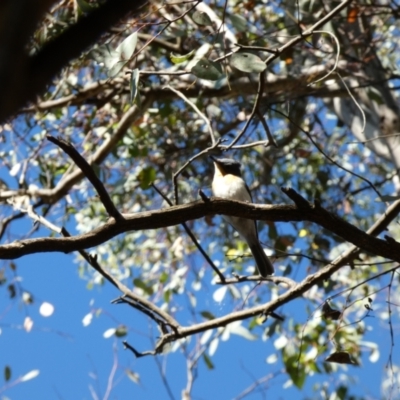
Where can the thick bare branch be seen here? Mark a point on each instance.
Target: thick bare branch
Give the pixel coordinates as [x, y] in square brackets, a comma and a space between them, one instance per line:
[38, 70]
[389, 249]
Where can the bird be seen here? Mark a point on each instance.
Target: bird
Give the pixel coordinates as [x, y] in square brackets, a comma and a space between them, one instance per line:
[228, 184]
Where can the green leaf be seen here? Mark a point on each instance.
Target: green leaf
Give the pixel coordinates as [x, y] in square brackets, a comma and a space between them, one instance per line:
[178, 59]
[207, 315]
[7, 373]
[208, 361]
[140, 284]
[247, 62]
[11, 291]
[121, 331]
[253, 323]
[239, 22]
[134, 84]
[163, 277]
[201, 18]
[206, 69]
[167, 296]
[146, 176]
[296, 372]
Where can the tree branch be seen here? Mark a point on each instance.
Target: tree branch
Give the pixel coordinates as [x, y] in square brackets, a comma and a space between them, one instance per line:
[87, 170]
[156, 219]
[53, 56]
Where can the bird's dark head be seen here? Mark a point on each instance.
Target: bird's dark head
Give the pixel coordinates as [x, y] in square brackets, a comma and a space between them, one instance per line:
[227, 166]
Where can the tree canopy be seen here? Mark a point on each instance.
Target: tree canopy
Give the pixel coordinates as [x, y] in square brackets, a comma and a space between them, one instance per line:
[110, 111]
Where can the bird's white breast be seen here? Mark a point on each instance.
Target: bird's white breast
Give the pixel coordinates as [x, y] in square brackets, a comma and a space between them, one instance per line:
[231, 187]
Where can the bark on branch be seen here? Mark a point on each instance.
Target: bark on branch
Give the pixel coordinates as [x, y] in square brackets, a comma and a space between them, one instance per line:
[389, 249]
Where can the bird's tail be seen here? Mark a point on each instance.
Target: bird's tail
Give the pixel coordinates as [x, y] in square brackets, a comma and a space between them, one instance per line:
[264, 265]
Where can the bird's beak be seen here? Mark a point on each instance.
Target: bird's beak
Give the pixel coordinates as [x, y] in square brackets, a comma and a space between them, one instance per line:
[214, 159]
[218, 167]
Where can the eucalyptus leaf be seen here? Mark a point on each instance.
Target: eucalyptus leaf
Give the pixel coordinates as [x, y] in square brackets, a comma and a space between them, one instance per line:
[213, 346]
[247, 62]
[239, 22]
[30, 375]
[146, 176]
[240, 330]
[121, 331]
[133, 376]
[178, 59]
[201, 18]
[207, 315]
[7, 373]
[206, 69]
[208, 361]
[127, 47]
[298, 375]
[134, 84]
[115, 60]
[142, 285]
[340, 357]
[116, 68]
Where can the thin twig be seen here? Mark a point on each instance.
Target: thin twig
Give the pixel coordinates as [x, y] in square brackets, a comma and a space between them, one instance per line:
[111, 377]
[290, 283]
[374, 138]
[164, 379]
[184, 166]
[195, 108]
[364, 281]
[170, 73]
[308, 31]
[260, 90]
[256, 48]
[389, 363]
[92, 260]
[355, 102]
[38, 218]
[266, 127]
[308, 134]
[191, 235]
[336, 60]
[264, 143]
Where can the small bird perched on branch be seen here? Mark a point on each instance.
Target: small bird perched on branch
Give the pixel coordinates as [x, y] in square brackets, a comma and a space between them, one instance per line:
[229, 184]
